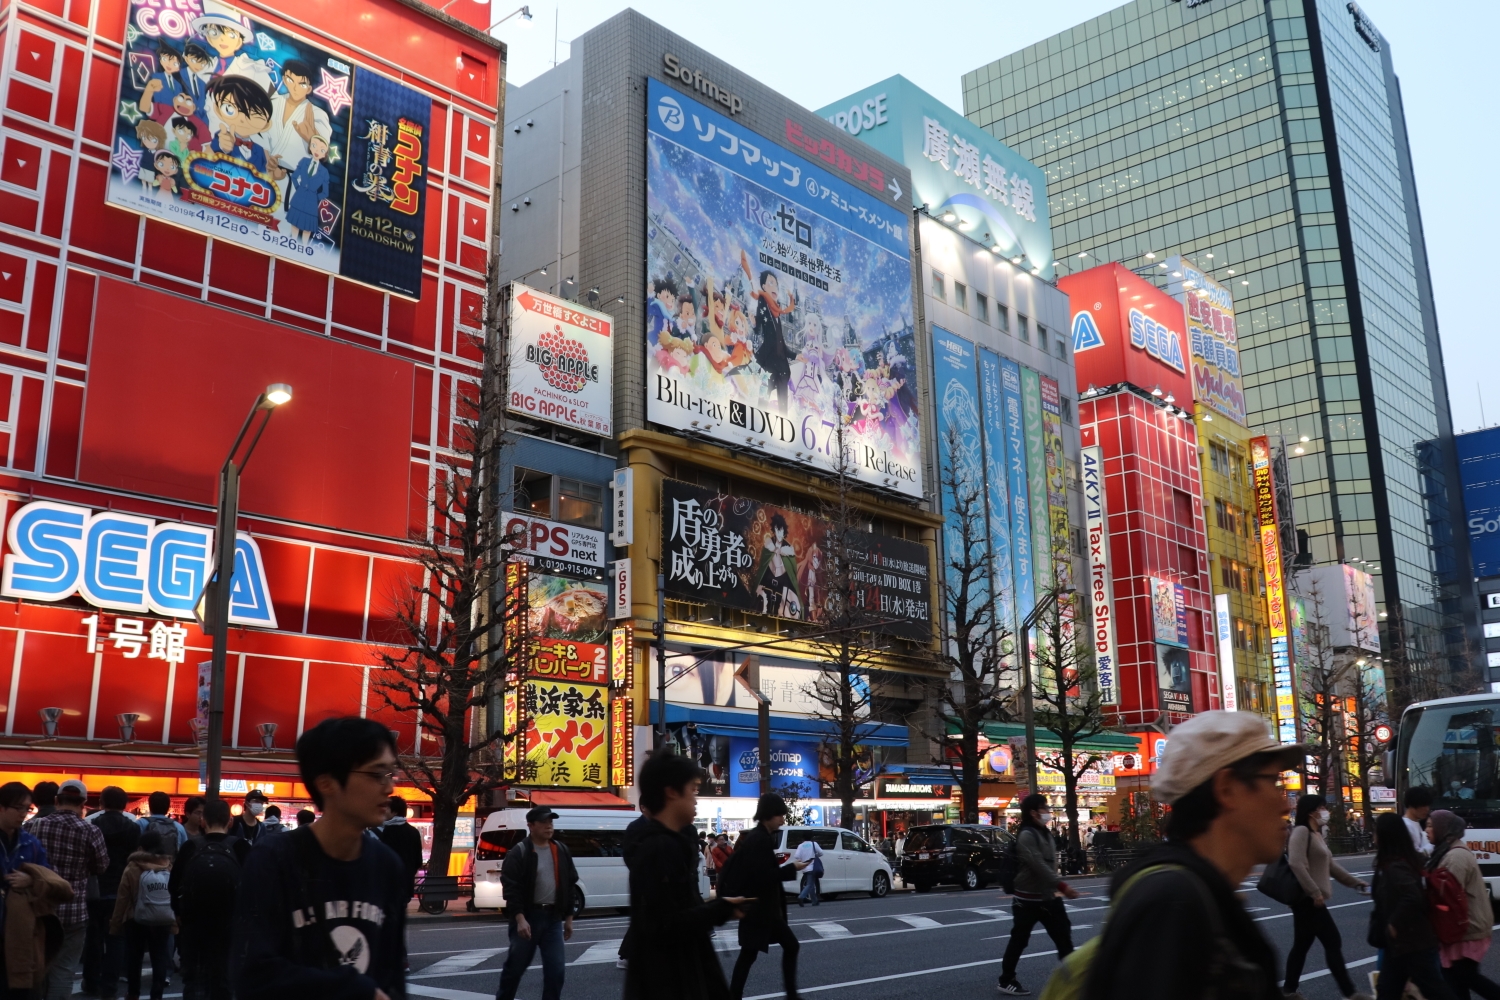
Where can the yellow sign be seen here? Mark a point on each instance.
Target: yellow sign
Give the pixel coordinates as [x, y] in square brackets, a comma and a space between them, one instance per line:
[567, 734]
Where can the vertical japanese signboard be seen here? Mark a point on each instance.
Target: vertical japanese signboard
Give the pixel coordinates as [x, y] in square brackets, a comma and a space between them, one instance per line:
[621, 744]
[960, 468]
[238, 130]
[1015, 471]
[1270, 550]
[1224, 628]
[1101, 586]
[1036, 481]
[1057, 488]
[992, 417]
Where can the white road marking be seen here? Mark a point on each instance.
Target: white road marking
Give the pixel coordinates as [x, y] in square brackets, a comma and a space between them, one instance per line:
[1336, 906]
[726, 939]
[917, 921]
[990, 912]
[417, 990]
[598, 953]
[461, 962]
[830, 930]
[898, 975]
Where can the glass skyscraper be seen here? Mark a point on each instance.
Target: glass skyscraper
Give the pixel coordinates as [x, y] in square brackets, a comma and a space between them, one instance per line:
[1265, 141]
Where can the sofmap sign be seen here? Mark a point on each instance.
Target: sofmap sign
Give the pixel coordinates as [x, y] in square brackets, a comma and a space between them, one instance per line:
[1101, 587]
[998, 196]
[779, 299]
[1479, 470]
[560, 362]
[235, 129]
[124, 562]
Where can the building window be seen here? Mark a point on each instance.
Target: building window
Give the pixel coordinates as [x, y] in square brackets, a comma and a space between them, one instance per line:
[559, 499]
[1067, 410]
[1218, 458]
[1021, 330]
[580, 503]
[960, 296]
[1236, 575]
[939, 286]
[1002, 318]
[533, 492]
[1062, 347]
[982, 306]
[1231, 518]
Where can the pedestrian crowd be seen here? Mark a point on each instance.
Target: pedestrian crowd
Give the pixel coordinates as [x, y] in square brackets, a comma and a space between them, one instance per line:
[238, 906]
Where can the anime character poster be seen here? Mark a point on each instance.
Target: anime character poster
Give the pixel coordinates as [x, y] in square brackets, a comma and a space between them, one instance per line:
[779, 312]
[741, 553]
[961, 471]
[238, 130]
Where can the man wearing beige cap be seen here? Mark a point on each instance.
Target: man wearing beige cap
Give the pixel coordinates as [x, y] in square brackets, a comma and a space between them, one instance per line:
[1177, 931]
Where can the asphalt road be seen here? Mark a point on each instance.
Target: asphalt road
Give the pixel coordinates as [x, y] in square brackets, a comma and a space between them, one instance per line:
[904, 946]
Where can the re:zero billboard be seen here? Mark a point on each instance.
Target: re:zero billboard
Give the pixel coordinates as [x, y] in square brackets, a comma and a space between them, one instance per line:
[240, 131]
[779, 300]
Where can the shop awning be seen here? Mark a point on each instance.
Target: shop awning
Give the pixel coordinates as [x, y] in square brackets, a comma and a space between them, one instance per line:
[931, 774]
[1107, 742]
[794, 728]
[579, 800]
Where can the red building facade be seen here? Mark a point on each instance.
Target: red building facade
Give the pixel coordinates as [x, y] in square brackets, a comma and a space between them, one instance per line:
[131, 349]
[1133, 386]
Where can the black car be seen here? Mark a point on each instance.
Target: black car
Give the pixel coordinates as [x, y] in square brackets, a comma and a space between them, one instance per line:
[966, 855]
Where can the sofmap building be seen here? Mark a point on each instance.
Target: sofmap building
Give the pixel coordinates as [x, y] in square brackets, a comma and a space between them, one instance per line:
[1265, 142]
[768, 327]
[151, 290]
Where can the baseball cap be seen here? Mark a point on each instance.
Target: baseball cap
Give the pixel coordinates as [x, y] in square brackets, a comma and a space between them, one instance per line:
[255, 795]
[540, 814]
[73, 787]
[1207, 742]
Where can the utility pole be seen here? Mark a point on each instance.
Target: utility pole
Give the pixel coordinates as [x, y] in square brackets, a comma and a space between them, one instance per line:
[660, 629]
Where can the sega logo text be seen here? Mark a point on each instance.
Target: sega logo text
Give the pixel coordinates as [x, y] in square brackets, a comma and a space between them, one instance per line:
[124, 562]
[1156, 339]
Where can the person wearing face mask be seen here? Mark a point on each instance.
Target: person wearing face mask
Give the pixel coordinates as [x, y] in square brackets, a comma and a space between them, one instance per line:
[247, 826]
[1039, 894]
[1312, 862]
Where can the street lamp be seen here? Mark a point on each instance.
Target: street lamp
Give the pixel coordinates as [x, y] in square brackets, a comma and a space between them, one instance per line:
[215, 604]
[1046, 602]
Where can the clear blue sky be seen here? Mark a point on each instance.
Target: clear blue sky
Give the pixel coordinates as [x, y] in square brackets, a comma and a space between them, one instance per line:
[818, 52]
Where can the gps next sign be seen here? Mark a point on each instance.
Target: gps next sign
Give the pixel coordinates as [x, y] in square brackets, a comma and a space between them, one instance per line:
[1127, 330]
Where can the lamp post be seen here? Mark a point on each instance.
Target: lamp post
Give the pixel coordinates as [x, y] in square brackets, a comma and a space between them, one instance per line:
[216, 590]
[1046, 602]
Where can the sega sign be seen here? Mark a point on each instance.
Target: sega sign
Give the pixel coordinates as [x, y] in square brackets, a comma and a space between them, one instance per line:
[124, 562]
[1156, 339]
[1125, 329]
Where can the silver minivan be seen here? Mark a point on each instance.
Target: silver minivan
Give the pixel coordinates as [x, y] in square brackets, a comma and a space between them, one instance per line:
[592, 836]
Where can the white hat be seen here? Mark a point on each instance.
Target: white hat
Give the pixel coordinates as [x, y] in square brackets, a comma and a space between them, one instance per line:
[220, 13]
[251, 69]
[1211, 740]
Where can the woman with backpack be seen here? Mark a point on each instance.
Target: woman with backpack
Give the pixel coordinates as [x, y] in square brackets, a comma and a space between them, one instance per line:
[1461, 959]
[143, 913]
[1401, 924]
[1312, 862]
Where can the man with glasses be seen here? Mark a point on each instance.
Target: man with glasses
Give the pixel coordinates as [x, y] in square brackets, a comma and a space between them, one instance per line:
[321, 911]
[1176, 929]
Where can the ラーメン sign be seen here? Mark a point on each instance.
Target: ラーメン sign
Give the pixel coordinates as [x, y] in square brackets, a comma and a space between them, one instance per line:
[561, 362]
[1270, 550]
[123, 562]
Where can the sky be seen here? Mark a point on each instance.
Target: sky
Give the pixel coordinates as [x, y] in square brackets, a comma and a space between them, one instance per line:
[834, 47]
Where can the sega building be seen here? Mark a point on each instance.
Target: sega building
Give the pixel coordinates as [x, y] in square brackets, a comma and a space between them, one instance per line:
[156, 275]
[776, 284]
[1147, 566]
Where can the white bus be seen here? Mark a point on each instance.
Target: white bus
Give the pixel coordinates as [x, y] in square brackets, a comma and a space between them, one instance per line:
[1452, 745]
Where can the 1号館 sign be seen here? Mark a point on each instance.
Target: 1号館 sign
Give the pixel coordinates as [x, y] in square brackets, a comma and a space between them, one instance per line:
[124, 562]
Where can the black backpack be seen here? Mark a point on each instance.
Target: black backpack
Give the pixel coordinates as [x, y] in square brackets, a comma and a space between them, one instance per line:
[1010, 864]
[210, 881]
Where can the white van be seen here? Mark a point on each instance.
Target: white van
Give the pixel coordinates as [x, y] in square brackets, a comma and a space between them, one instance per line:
[592, 836]
[849, 863]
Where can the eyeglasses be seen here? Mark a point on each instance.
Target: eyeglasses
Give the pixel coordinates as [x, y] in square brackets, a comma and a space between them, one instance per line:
[384, 777]
[1275, 777]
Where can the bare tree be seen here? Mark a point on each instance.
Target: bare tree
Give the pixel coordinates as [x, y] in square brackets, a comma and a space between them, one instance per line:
[1322, 676]
[1371, 711]
[449, 623]
[1066, 701]
[976, 637]
[847, 639]
[1420, 660]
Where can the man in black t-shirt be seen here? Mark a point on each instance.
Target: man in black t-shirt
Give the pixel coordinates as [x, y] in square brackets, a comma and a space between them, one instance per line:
[321, 911]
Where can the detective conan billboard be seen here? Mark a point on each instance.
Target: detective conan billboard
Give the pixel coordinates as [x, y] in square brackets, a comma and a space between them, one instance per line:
[778, 300]
[240, 131]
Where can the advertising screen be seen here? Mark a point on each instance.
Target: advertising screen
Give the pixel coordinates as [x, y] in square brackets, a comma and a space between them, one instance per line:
[955, 166]
[1125, 329]
[240, 131]
[778, 301]
[960, 463]
[768, 560]
[1212, 341]
[992, 398]
[1015, 475]
[1173, 679]
[1168, 612]
[1057, 490]
[1036, 480]
[1479, 469]
[561, 362]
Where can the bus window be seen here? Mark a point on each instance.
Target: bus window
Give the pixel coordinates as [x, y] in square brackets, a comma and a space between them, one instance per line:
[1455, 751]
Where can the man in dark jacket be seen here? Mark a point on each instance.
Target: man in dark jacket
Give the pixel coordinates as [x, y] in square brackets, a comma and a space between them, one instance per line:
[1176, 930]
[628, 844]
[752, 872]
[103, 952]
[538, 878]
[203, 895]
[403, 838]
[671, 954]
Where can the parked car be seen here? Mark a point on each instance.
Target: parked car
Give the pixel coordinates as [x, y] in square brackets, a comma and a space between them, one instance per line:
[592, 836]
[952, 854]
[849, 863]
